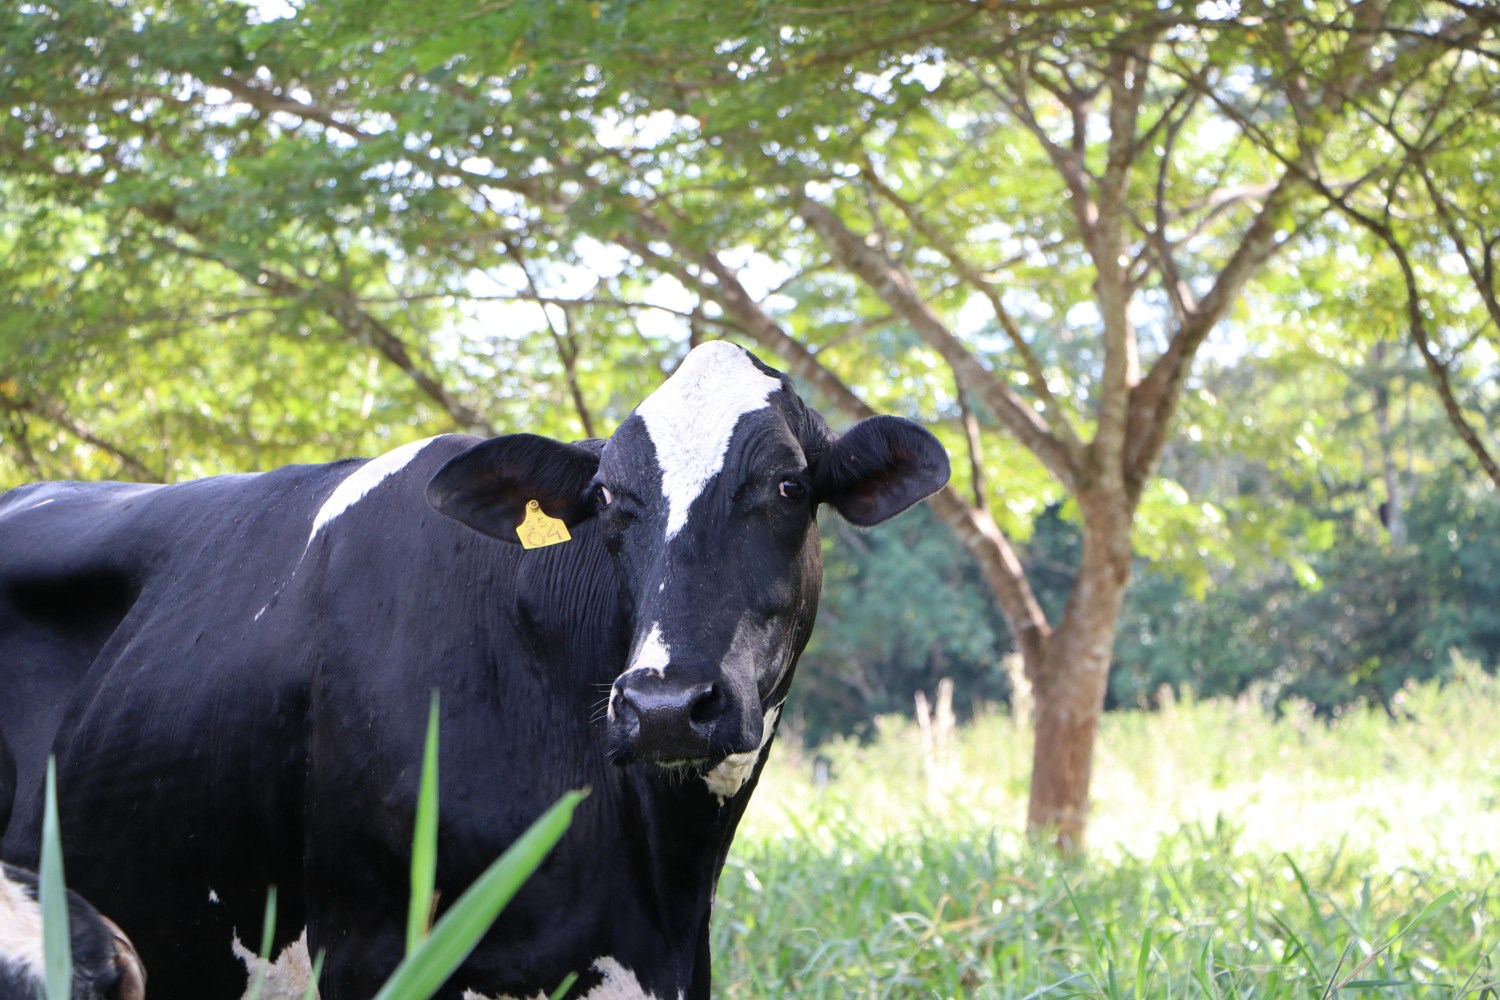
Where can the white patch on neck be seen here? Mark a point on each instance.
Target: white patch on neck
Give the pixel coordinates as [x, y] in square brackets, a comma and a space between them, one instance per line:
[21, 930]
[691, 419]
[362, 480]
[287, 978]
[730, 776]
[619, 983]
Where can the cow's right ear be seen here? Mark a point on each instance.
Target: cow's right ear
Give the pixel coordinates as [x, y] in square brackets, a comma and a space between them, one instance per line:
[488, 486]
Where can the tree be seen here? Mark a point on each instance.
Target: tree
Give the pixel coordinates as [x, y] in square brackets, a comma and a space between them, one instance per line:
[1427, 211]
[1130, 169]
[1021, 221]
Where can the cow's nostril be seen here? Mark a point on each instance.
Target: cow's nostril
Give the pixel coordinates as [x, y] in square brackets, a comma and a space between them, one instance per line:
[706, 706]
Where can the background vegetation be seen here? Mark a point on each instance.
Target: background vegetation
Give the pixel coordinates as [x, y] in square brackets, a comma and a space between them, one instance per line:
[1232, 855]
[1203, 297]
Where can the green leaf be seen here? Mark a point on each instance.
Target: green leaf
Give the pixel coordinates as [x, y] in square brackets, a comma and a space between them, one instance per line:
[564, 986]
[57, 947]
[1143, 961]
[424, 839]
[312, 981]
[456, 934]
[267, 942]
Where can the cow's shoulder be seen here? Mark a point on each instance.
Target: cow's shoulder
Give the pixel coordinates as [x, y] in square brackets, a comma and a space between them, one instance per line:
[392, 481]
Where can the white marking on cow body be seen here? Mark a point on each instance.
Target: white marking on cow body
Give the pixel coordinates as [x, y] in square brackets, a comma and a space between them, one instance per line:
[654, 654]
[618, 983]
[20, 930]
[287, 978]
[725, 780]
[213, 897]
[692, 417]
[364, 479]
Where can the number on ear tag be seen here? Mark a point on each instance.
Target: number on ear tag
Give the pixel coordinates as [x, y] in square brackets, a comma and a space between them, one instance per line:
[538, 530]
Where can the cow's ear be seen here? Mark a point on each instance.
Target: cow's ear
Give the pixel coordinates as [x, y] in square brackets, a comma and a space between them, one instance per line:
[488, 486]
[880, 467]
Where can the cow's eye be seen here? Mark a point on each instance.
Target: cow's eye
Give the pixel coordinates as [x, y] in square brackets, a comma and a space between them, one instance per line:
[603, 497]
[791, 489]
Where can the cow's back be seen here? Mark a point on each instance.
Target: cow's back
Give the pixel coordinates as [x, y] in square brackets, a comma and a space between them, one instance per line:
[129, 631]
[83, 564]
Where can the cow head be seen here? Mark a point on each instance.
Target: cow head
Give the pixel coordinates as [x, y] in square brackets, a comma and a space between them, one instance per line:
[706, 498]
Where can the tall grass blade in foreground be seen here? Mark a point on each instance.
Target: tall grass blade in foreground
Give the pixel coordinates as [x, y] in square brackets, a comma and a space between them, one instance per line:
[431, 958]
[424, 839]
[267, 942]
[312, 980]
[57, 946]
[564, 986]
[456, 934]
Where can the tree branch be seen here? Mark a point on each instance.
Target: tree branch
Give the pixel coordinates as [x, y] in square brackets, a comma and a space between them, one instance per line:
[1154, 400]
[1126, 80]
[971, 274]
[1437, 368]
[895, 289]
[345, 310]
[55, 413]
[565, 342]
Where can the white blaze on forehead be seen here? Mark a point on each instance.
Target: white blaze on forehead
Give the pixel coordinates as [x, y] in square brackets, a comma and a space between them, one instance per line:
[364, 479]
[20, 930]
[730, 776]
[691, 418]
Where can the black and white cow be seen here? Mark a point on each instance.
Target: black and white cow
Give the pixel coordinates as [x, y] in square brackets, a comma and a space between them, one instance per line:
[234, 674]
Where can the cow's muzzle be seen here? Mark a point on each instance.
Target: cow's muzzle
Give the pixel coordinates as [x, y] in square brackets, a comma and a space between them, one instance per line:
[680, 715]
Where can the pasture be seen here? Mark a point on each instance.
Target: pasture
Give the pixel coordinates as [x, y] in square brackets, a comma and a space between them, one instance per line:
[1233, 854]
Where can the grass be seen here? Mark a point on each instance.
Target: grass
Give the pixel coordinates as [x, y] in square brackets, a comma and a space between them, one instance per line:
[1232, 855]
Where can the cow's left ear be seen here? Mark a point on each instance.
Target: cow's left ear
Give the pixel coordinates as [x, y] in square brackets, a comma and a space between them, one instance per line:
[488, 486]
[878, 468]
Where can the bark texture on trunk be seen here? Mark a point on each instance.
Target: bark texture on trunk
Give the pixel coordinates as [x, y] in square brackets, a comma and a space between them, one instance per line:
[1071, 677]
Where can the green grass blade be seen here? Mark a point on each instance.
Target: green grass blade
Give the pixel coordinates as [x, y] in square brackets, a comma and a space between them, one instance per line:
[1310, 898]
[424, 839]
[1437, 904]
[566, 985]
[466, 921]
[267, 942]
[312, 982]
[57, 945]
[1143, 962]
[1083, 920]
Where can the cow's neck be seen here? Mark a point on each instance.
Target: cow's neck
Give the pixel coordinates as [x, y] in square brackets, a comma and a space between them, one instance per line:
[688, 832]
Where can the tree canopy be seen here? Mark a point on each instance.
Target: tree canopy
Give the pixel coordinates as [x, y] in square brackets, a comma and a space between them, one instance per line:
[236, 236]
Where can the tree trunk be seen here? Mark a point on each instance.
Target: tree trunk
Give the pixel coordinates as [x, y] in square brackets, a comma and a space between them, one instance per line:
[1071, 677]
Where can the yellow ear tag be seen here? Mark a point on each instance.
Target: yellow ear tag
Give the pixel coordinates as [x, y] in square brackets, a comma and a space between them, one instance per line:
[538, 530]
